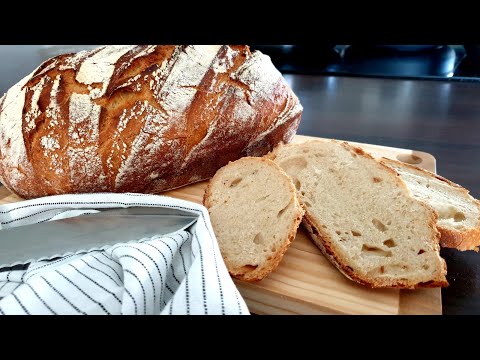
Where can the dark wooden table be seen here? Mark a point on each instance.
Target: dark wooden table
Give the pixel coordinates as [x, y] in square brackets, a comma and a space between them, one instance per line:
[438, 117]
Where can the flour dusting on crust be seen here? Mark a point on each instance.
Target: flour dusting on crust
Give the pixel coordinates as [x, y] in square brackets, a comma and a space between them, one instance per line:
[83, 130]
[34, 111]
[99, 68]
[190, 67]
[259, 74]
[12, 144]
[175, 94]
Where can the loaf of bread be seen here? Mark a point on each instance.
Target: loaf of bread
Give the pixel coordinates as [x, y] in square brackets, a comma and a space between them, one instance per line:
[255, 214]
[140, 118]
[362, 216]
[458, 212]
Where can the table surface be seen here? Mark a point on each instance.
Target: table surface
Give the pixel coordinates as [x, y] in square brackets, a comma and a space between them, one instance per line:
[441, 118]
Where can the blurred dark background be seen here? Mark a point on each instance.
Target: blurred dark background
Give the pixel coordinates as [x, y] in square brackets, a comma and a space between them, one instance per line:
[456, 62]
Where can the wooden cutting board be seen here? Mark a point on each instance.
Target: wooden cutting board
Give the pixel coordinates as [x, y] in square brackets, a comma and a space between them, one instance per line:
[306, 282]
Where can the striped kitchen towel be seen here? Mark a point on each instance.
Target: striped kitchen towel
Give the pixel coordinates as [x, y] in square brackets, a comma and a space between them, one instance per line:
[178, 273]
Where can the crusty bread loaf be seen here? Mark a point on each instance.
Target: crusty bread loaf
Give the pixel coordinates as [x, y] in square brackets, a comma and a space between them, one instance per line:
[255, 214]
[363, 217]
[458, 212]
[140, 118]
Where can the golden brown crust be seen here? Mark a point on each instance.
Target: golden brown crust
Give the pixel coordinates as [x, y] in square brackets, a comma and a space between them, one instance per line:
[249, 273]
[462, 240]
[165, 116]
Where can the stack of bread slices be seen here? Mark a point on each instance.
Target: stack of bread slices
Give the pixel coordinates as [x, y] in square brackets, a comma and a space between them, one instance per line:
[379, 221]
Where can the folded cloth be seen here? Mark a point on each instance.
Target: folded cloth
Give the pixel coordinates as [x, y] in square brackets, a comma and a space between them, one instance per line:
[178, 273]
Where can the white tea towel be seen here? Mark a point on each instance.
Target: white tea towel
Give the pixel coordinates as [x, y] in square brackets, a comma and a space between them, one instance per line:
[178, 273]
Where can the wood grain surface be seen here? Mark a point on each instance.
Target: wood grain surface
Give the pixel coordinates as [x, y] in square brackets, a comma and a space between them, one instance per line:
[307, 283]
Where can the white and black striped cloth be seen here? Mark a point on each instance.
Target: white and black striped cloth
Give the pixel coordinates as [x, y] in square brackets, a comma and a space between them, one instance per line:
[181, 273]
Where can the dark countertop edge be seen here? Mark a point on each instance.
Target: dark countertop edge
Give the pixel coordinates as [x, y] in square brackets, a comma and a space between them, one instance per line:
[377, 76]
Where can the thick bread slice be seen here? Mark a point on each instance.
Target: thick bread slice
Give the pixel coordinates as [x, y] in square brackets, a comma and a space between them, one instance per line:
[458, 212]
[363, 217]
[255, 215]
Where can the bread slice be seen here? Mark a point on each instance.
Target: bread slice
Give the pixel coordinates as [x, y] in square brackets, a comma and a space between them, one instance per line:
[255, 215]
[458, 212]
[363, 217]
